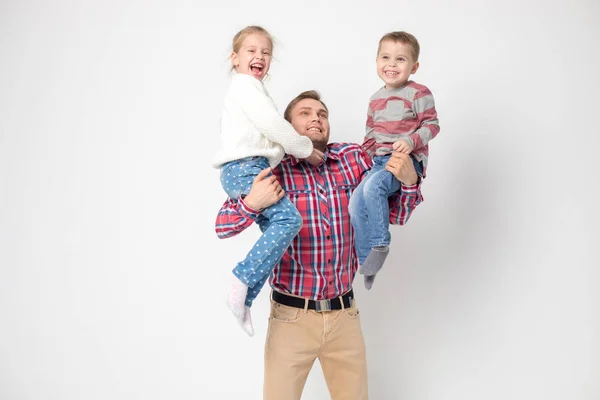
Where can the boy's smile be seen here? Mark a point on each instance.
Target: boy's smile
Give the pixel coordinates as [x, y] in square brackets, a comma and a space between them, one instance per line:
[395, 63]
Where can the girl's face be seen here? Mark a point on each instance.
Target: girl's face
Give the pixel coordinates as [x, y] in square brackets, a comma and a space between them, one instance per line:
[254, 56]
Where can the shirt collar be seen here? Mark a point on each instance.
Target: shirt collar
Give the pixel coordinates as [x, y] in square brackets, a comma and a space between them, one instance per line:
[329, 153]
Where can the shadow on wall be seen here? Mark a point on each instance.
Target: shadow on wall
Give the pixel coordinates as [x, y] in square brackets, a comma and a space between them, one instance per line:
[439, 263]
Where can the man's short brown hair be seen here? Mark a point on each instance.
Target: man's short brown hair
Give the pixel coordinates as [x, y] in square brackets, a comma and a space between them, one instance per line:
[309, 94]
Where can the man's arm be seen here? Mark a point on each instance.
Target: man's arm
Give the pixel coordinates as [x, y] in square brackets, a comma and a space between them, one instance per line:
[233, 217]
[404, 203]
[237, 215]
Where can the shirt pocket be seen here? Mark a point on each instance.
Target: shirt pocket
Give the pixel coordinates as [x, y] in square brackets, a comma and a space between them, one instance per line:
[299, 191]
[344, 190]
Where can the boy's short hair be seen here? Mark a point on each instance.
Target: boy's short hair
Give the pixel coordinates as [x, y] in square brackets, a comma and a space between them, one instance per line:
[402, 37]
[309, 94]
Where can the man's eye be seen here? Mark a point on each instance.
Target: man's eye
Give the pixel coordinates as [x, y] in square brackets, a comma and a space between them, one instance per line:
[385, 57]
[401, 59]
[250, 51]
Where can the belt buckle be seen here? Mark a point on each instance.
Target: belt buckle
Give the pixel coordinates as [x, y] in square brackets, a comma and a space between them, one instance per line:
[322, 305]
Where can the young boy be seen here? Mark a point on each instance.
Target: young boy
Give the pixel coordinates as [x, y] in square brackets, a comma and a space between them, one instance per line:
[401, 117]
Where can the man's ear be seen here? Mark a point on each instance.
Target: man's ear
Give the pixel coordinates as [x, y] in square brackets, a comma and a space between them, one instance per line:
[415, 68]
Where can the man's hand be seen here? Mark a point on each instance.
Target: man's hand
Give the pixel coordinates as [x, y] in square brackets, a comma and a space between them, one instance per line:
[402, 146]
[315, 157]
[265, 191]
[401, 165]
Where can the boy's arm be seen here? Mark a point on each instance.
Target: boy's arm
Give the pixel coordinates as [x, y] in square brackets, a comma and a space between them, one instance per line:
[424, 107]
[263, 114]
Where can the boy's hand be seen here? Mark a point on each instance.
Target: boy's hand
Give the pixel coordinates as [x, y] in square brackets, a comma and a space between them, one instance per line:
[402, 146]
[315, 157]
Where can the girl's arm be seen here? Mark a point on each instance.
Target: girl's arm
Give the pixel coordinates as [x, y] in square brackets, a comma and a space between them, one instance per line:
[262, 113]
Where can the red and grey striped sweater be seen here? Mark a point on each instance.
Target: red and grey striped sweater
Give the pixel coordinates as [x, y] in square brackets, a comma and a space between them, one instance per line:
[408, 113]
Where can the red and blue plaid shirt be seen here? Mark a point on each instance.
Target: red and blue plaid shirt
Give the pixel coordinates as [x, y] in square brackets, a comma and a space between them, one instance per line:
[321, 261]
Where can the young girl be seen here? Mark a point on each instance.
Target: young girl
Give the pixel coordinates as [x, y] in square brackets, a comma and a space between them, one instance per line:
[254, 137]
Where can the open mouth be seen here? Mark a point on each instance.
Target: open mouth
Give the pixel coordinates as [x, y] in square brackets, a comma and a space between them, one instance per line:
[257, 69]
[391, 73]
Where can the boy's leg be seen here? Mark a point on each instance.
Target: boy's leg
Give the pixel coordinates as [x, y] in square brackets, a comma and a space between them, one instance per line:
[358, 218]
[378, 189]
[293, 342]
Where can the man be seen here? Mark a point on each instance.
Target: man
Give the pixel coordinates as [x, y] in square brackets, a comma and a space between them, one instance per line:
[313, 311]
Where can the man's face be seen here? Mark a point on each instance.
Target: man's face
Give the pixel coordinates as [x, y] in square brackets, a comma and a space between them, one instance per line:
[310, 119]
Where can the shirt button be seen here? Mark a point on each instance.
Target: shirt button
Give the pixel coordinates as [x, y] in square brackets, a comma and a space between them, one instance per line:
[329, 261]
[328, 237]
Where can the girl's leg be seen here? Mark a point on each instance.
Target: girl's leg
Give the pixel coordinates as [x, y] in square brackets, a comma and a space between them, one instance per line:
[237, 178]
[284, 224]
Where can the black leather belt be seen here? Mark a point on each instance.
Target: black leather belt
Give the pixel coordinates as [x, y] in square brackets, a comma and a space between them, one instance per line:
[317, 305]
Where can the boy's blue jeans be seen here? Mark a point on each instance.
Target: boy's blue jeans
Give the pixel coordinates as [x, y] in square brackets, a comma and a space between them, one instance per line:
[369, 207]
[283, 222]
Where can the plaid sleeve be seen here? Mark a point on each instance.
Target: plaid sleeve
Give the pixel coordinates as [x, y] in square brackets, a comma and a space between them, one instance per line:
[403, 203]
[233, 217]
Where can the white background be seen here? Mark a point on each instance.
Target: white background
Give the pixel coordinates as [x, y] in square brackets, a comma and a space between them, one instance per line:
[112, 280]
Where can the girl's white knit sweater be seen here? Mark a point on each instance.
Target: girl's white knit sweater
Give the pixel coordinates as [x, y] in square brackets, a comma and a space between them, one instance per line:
[252, 126]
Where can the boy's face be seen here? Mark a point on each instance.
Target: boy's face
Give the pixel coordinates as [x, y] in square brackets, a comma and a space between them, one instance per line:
[395, 63]
[254, 56]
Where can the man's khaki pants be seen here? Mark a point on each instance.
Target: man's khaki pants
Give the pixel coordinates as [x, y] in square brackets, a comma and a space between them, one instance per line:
[296, 337]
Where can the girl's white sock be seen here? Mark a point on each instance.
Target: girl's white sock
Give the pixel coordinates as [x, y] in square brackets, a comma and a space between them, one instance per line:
[247, 322]
[237, 298]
